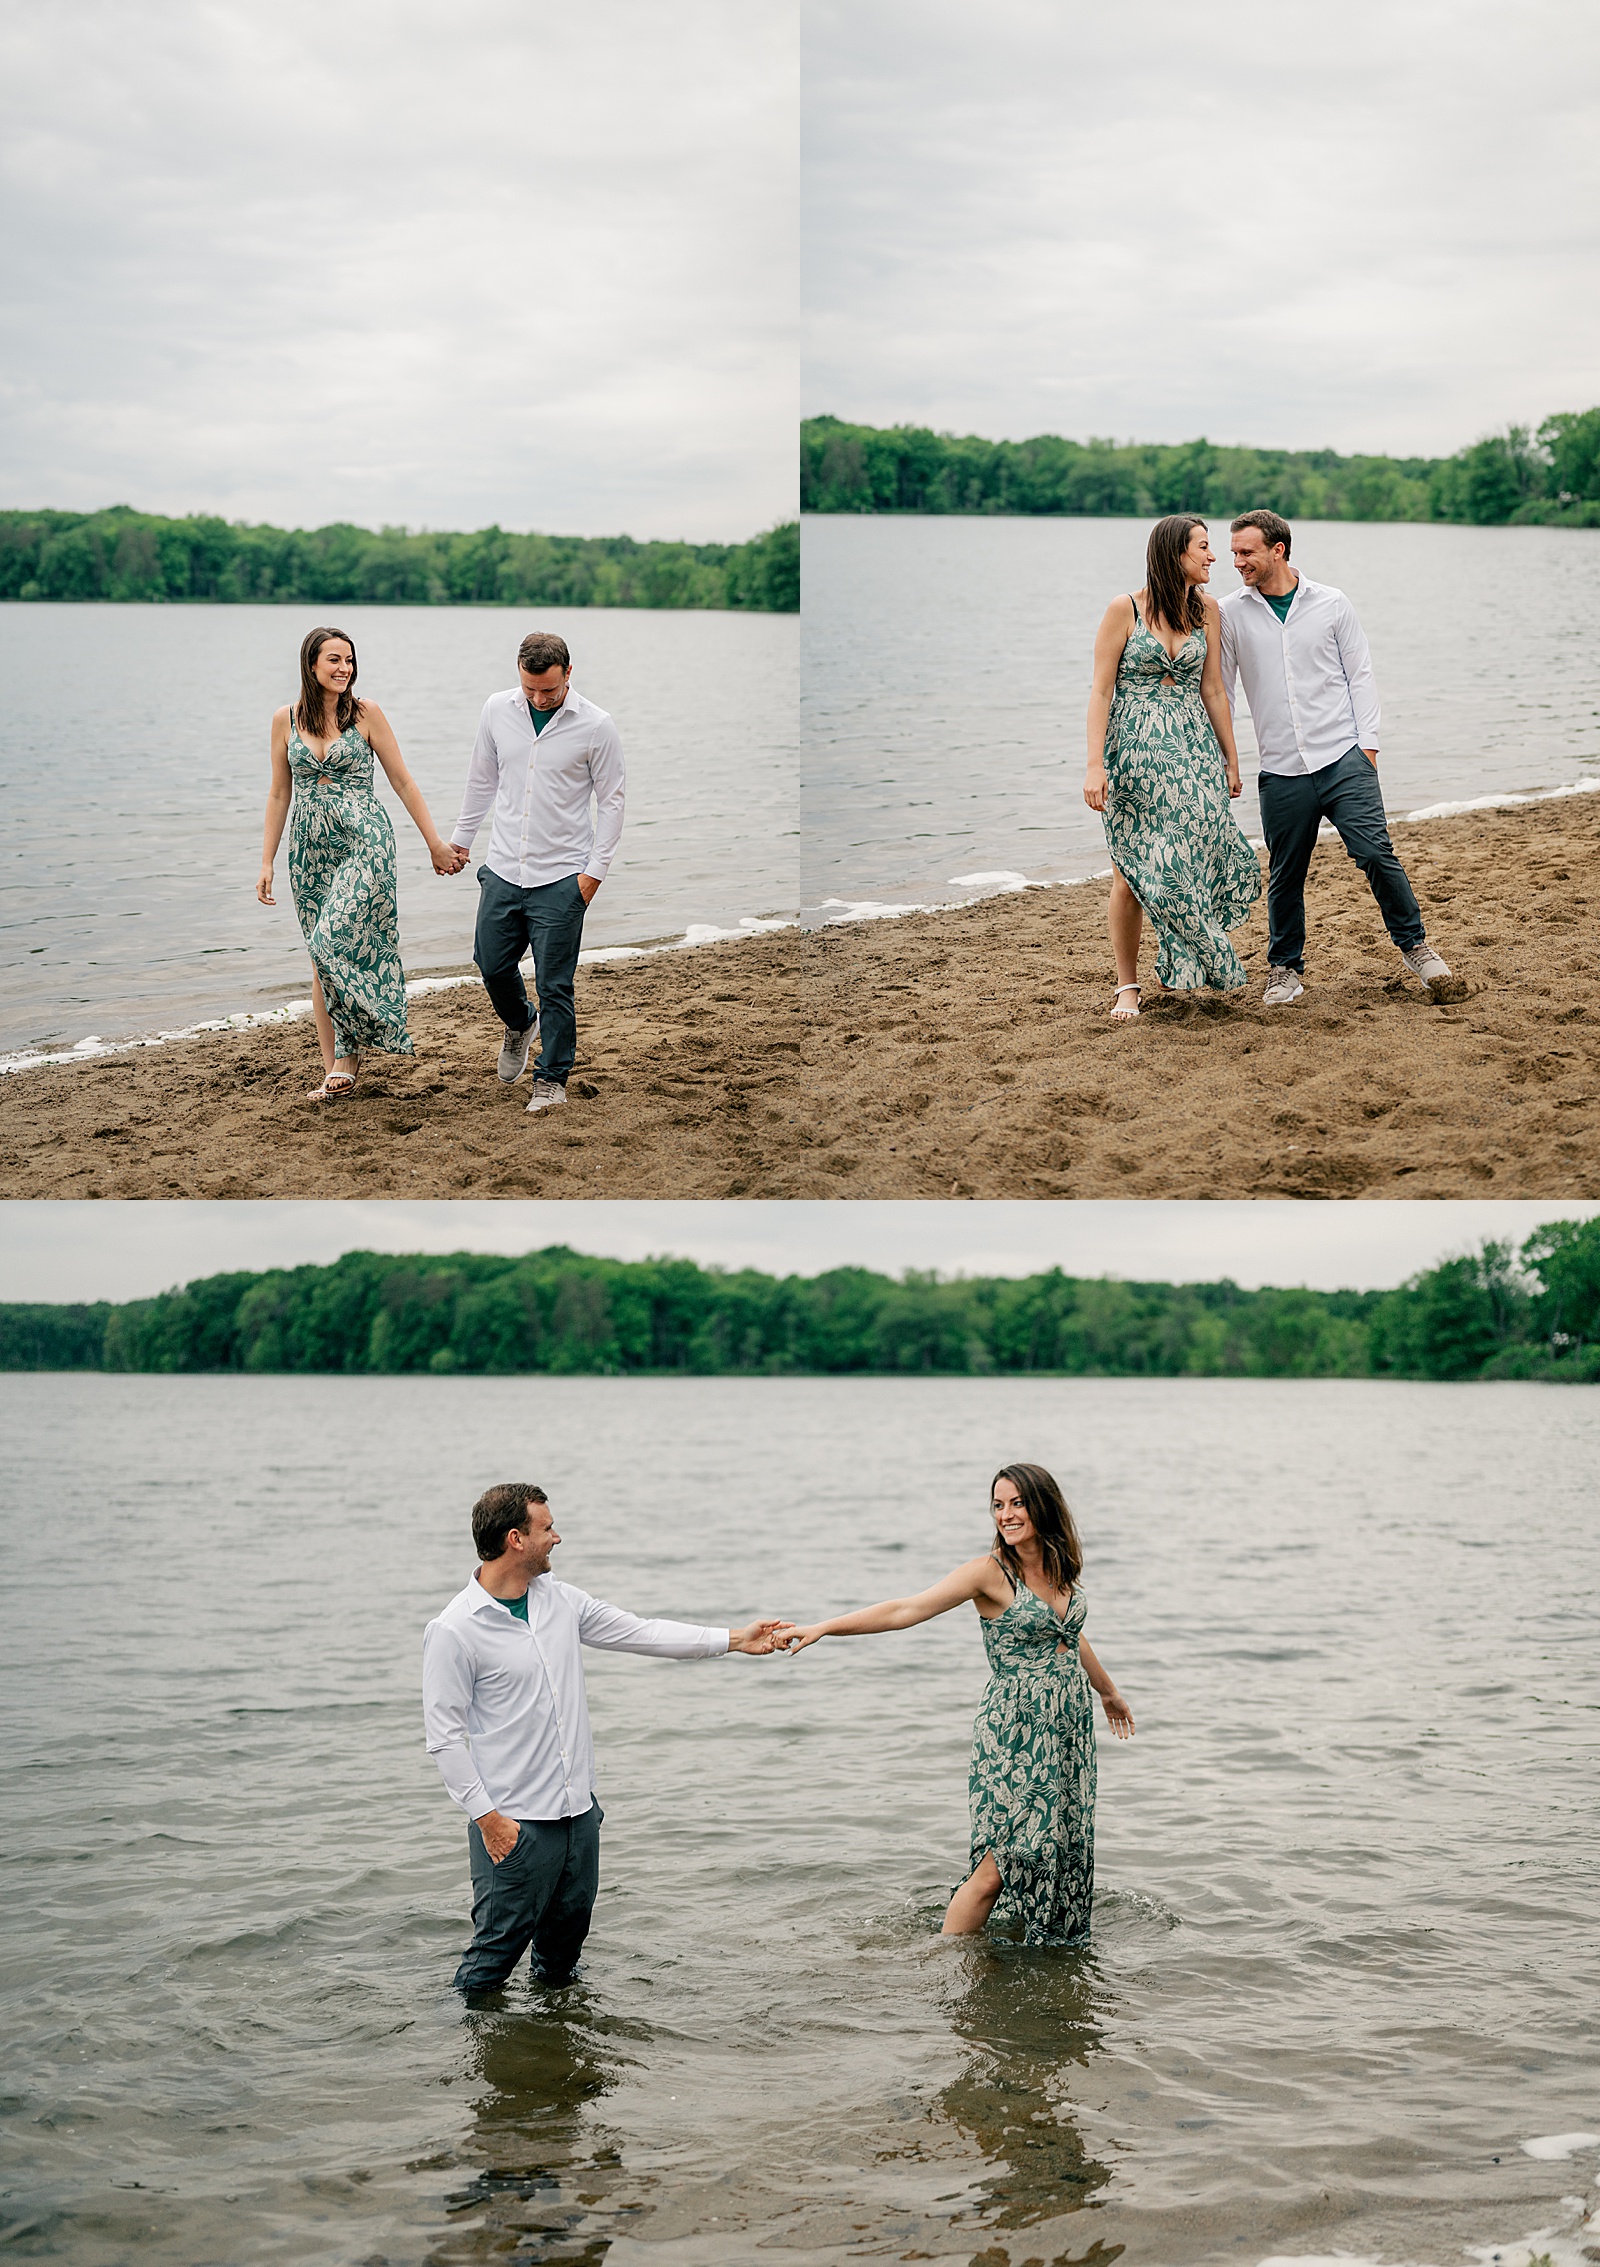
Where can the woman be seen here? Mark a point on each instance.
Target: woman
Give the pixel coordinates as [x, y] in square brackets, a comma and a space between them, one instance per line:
[1160, 748]
[1033, 1756]
[341, 857]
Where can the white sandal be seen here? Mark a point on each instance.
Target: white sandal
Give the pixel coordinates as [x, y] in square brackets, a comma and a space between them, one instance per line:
[1126, 1015]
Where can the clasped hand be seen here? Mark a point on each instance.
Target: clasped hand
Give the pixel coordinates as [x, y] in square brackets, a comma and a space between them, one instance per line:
[767, 1636]
[449, 858]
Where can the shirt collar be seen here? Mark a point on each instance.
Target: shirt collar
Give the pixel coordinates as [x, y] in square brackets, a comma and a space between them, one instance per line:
[1302, 589]
[478, 1598]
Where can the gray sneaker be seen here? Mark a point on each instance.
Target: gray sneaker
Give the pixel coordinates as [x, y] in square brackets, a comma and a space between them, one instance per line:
[546, 1094]
[1423, 961]
[1283, 985]
[514, 1051]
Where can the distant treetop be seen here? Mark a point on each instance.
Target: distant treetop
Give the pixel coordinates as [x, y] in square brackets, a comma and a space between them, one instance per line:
[1550, 477]
[1498, 1314]
[122, 554]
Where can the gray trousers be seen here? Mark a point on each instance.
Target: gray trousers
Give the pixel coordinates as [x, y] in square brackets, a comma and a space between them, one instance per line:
[1348, 796]
[550, 919]
[541, 1894]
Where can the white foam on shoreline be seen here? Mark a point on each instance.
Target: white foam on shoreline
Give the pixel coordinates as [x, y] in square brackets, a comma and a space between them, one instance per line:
[837, 911]
[1503, 802]
[95, 1049]
[1551, 2145]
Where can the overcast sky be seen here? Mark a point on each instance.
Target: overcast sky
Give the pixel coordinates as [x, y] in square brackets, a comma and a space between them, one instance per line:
[395, 262]
[127, 1251]
[1367, 227]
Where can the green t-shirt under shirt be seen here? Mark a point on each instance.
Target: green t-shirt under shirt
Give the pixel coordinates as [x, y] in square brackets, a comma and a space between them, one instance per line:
[517, 1606]
[1281, 606]
[541, 717]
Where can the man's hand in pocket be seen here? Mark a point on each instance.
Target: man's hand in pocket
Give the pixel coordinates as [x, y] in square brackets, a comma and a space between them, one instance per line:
[499, 1834]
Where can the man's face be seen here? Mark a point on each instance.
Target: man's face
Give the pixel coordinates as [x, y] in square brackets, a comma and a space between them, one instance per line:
[547, 689]
[1252, 557]
[538, 1539]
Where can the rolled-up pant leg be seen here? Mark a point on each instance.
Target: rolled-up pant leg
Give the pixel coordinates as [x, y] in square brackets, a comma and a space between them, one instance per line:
[1352, 802]
[541, 1894]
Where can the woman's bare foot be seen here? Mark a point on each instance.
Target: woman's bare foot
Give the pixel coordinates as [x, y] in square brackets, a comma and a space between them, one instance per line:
[1120, 1014]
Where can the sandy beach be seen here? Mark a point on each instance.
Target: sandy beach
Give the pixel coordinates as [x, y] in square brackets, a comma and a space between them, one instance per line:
[963, 1053]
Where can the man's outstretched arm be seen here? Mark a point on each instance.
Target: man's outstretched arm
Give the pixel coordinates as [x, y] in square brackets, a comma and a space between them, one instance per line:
[614, 1630]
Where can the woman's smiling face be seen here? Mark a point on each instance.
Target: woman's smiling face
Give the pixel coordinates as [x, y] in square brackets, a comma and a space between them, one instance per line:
[1011, 1521]
[334, 666]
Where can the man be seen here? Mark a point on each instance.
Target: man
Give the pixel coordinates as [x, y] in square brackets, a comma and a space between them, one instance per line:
[541, 753]
[502, 1670]
[1308, 678]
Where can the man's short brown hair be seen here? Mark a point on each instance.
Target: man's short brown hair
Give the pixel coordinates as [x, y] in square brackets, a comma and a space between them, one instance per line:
[541, 650]
[497, 1511]
[1273, 528]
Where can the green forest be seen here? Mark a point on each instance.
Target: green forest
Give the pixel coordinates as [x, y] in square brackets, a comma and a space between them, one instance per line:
[1501, 1312]
[1549, 476]
[122, 554]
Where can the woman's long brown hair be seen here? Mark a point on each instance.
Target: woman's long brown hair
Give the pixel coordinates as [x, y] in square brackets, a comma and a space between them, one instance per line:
[310, 712]
[1173, 599]
[1046, 1506]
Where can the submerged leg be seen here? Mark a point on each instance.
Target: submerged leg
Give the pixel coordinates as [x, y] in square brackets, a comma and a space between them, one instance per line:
[974, 1901]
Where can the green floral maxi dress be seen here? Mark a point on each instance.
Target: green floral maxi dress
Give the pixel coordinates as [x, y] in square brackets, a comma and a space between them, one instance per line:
[1033, 1770]
[1170, 826]
[341, 871]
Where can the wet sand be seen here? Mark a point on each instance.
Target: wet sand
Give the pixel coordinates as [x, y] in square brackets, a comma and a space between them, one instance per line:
[975, 1057]
[684, 1086]
[964, 1053]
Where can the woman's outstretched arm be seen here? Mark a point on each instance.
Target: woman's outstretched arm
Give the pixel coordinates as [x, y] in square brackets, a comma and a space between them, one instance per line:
[279, 796]
[1215, 697]
[380, 735]
[979, 1577]
[1118, 1714]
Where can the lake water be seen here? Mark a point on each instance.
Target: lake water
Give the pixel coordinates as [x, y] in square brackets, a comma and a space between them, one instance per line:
[1345, 1958]
[947, 663]
[133, 777]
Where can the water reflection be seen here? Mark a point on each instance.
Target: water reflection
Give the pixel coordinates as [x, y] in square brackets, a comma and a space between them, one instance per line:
[538, 2168]
[1031, 2019]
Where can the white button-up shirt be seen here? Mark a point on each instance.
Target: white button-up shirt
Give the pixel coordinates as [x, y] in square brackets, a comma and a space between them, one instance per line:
[540, 785]
[1308, 680]
[503, 1705]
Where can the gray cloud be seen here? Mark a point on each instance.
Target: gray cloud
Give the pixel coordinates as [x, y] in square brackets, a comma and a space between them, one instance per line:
[1370, 228]
[128, 1251]
[387, 261]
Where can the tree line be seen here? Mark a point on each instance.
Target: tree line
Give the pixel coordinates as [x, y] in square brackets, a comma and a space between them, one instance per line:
[1549, 476]
[122, 554]
[1497, 1313]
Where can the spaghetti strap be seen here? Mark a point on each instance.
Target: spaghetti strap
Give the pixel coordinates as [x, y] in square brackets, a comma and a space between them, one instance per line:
[1006, 1571]
[1134, 603]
